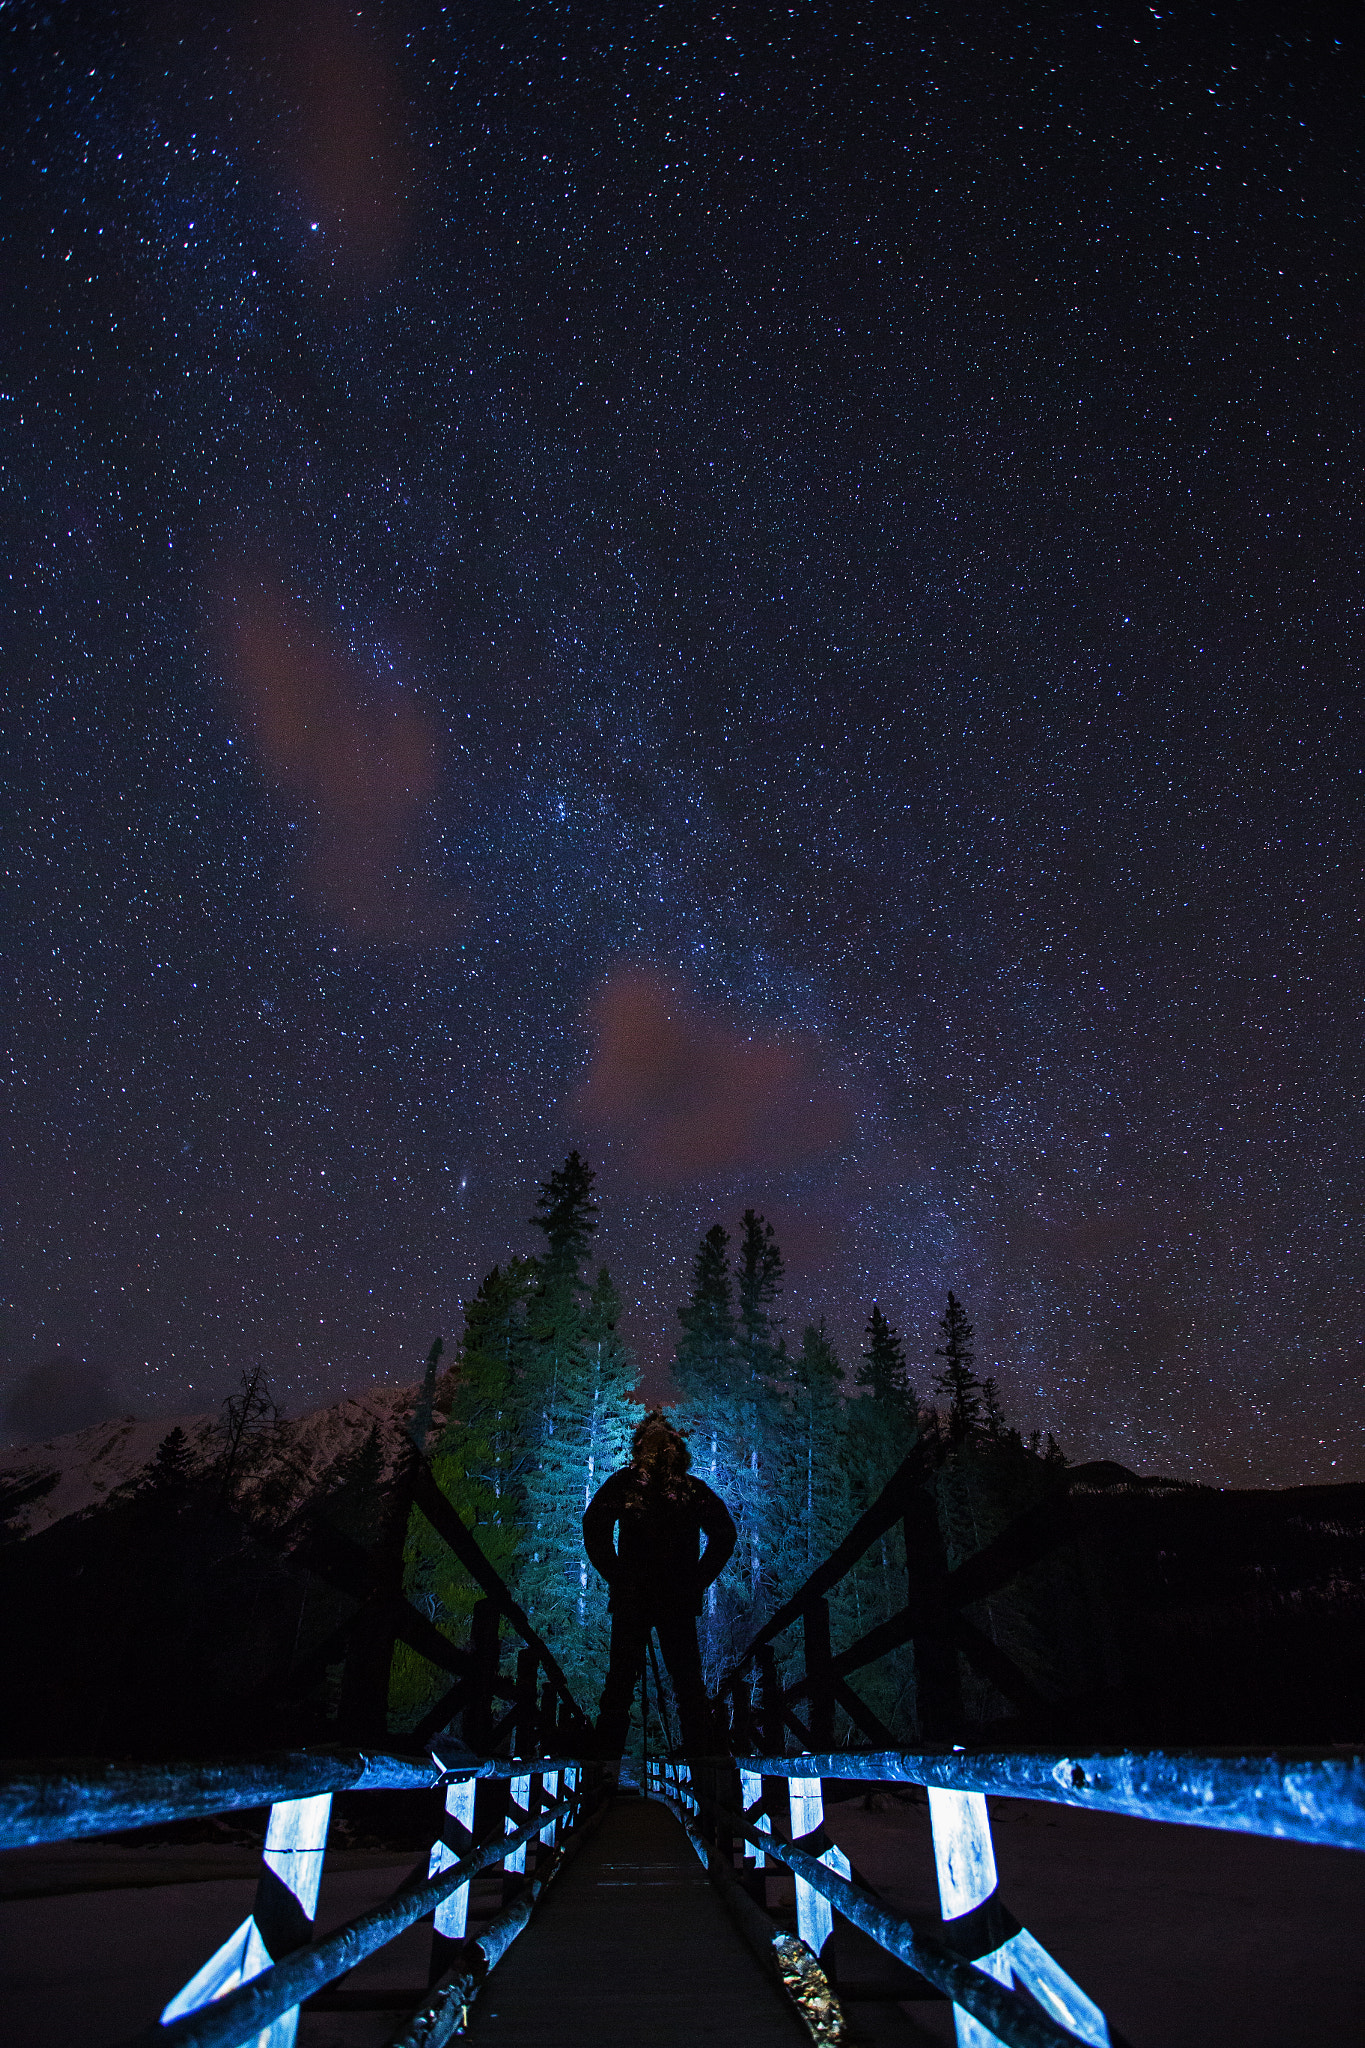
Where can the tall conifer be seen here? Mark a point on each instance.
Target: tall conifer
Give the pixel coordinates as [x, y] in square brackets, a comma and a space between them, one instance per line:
[593, 1417]
[706, 1357]
[812, 1499]
[479, 1463]
[883, 1370]
[706, 1370]
[883, 1425]
[758, 1276]
[575, 1383]
[763, 1361]
[958, 1380]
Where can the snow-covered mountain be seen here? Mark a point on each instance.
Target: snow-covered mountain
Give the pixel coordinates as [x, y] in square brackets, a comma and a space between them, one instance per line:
[86, 1467]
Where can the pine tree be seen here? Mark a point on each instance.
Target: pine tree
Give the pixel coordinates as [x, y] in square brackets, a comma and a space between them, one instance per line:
[886, 1417]
[477, 1463]
[957, 1379]
[883, 1369]
[706, 1358]
[882, 1428]
[813, 1497]
[574, 1384]
[758, 1271]
[725, 1370]
[171, 1473]
[985, 1482]
[706, 1369]
[480, 1456]
[993, 1424]
[551, 1359]
[763, 1360]
[354, 1501]
[593, 1419]
[567, 1213]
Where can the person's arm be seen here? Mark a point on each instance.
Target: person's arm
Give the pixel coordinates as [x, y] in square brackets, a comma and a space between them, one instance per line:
[599, 1529]
[719, 1531]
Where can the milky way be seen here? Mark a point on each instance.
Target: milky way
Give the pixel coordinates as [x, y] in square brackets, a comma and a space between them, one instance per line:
[763, 592]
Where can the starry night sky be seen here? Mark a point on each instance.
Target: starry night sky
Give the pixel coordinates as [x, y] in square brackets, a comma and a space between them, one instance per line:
[766, 592]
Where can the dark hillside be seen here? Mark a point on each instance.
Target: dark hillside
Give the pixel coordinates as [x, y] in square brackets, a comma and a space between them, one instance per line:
[1225, 1616]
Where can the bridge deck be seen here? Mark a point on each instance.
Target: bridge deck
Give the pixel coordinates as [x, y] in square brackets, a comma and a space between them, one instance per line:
[632, 1945]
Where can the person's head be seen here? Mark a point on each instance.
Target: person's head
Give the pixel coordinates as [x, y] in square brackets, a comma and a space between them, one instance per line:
[658, 1453]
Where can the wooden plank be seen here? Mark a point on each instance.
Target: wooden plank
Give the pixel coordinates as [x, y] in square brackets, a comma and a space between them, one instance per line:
[632, 1944]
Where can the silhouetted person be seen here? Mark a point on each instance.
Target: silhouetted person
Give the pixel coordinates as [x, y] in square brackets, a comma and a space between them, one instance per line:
[658, 1573]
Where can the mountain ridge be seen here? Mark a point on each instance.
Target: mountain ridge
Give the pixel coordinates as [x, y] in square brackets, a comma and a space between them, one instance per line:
[46, 1483]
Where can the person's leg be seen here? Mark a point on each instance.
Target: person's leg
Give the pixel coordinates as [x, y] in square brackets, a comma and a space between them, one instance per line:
[629, 1627]
[678, 1641]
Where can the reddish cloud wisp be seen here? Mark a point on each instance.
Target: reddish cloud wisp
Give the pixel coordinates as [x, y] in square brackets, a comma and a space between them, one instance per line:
[366, 768]
[684, 1094]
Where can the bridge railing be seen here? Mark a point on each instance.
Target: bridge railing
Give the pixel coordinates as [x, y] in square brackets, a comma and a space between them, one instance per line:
[252, 1987]
[1004, 1984]
[933, 1622]
[535, 1709]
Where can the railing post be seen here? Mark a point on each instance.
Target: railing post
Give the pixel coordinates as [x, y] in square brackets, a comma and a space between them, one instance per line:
[964, 1858]
[477, 1720]
[550, 1786]
[452, 1916]
[772, 1726]
[526, 1738]
[546, 1723]
[519, 1792]
[814, 1914]
[819, 1674]
[280, 1921]
[751, 1789]
[938, 1685]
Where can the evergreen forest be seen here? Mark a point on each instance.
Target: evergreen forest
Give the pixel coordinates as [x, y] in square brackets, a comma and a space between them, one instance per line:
[243, 1587]
[540, 1402]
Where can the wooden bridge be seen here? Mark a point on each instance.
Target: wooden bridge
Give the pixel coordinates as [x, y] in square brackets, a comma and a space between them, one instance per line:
[564, 1904]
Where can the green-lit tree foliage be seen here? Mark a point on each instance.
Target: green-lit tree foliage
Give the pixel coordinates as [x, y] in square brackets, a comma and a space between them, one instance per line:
[760, 1384]
[478, 1463]
[540, 1410]
[706, 1369]
[813, 1500]
[731, 1370]
[575, 1380]
[587, 1437]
